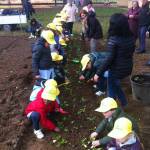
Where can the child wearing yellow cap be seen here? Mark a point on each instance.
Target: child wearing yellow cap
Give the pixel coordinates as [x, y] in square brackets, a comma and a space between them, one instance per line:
[90, 64]
[125, 137]
[111, 113]
[44, 104]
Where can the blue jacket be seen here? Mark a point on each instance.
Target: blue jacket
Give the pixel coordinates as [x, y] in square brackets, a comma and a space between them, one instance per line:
[41, 57]
[97, 59]
[120, 60]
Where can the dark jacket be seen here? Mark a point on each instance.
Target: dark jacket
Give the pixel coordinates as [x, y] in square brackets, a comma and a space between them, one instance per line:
[120, 60]
[97, 59]
[94, 29]
[107, 126]
[144, 15]
[41, 57]
[133, 143]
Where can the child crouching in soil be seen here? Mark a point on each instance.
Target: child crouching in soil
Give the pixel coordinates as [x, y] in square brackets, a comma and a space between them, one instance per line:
[44, 104]
[111, 113]
[90, 64]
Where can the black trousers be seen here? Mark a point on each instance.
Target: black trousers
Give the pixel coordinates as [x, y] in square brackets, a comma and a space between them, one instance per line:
[69, 26]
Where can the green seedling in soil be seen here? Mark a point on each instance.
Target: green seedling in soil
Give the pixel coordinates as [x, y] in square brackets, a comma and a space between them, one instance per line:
[91, 118]
[59, 140]
[82, 110]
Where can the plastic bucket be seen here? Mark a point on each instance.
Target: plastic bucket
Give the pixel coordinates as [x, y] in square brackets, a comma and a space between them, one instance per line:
[141, 87]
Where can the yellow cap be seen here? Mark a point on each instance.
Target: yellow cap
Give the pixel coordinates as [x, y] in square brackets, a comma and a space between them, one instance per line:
[56, 56]
[57, 22]
[50, 82]
[59, 28]
[51, 26]
[122, 128]
[58, 15]
[48, 36]
[84, 61]
[106, 105]
[62, 42]
[64, 16]
[50, 93]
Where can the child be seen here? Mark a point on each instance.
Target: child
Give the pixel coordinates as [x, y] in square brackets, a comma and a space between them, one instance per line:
[124, 135]
[90, 63]
[44, 104]
[59, 73]
[111, 112]
[41, 84]
[34, 27]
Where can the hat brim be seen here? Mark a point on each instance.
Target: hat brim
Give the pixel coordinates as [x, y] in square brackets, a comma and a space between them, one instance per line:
[49, 97]
[118, 134]
[102, 110]
[50, 41]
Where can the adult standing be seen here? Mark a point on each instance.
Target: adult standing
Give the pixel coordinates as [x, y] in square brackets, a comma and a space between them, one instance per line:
[89, 7]
[27, 7]
[144, 22]
[133, 15]
[70, 10]
[119, 64]
[94, 31]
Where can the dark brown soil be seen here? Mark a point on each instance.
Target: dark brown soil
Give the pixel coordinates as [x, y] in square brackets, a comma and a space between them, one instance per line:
[77, 98]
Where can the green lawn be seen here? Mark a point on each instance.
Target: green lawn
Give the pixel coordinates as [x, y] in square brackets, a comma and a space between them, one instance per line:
[47, 15]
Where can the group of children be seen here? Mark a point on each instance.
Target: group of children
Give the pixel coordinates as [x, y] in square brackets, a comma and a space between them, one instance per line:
[48, 60]
[105, 68]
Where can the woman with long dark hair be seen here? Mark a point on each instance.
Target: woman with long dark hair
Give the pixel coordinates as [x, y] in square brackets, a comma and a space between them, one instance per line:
[121, 46]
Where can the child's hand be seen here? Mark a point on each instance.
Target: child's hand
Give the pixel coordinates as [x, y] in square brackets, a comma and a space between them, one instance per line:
[81, 77]
[57, 129]
[96, 77]
[62, 111]
[93, 136]
[95, 143]
[147, 34]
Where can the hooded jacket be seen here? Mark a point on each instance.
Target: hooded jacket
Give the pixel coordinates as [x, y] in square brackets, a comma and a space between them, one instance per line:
[39, 106]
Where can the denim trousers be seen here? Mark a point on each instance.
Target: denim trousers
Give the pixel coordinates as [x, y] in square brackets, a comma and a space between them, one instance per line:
[115, 89]
[142, 37]
[47, 74]
[35, 118]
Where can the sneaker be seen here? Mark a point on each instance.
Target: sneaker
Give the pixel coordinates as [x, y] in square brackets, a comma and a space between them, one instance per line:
[31, 36]
[94, 86]
[99, 93]
[39, 134]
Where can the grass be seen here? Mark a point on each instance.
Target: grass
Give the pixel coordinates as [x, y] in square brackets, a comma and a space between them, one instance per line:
[47, 15]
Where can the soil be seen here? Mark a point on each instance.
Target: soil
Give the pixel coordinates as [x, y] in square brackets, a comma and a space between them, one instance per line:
[77, 98]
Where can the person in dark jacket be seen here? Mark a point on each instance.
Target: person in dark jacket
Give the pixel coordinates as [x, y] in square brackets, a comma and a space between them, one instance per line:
[124, 135]
[34, 27]
[42, 64]
[133, 15]
[111, 113]
[94, 30]
[144, 22]
[90, 64]
[119, 64]
[27, 7]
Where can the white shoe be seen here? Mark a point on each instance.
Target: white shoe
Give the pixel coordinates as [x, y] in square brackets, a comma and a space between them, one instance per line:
[94, 86]
[99, 93]
[31, 36]
[39, 134]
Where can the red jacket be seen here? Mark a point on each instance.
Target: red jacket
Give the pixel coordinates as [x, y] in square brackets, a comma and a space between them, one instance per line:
[39, 106]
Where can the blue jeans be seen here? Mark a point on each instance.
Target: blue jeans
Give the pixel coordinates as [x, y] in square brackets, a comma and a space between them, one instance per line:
[35, 118]
[115, 90]
[47, 74]
[142, 37]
